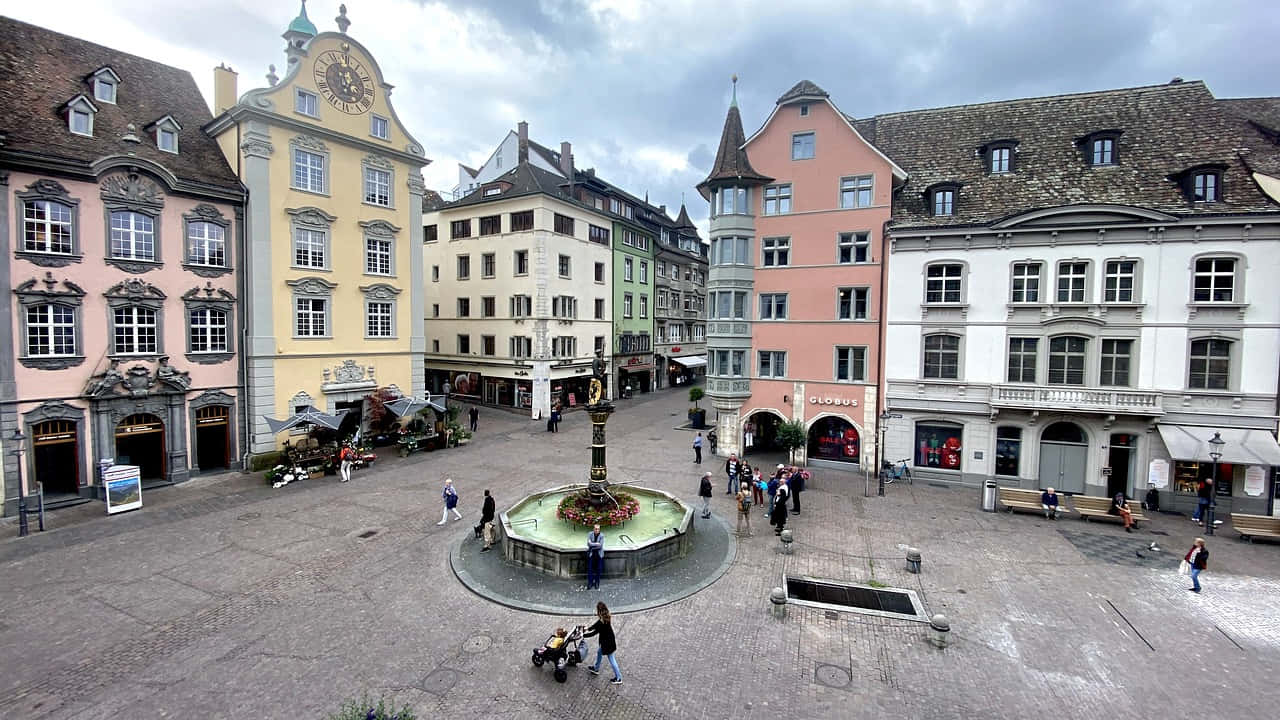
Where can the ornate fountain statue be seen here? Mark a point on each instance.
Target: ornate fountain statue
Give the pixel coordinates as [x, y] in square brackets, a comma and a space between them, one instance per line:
[599, 409]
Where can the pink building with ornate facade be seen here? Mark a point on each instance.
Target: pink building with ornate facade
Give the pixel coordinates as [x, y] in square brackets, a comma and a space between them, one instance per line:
[119, 227]
[795, 290]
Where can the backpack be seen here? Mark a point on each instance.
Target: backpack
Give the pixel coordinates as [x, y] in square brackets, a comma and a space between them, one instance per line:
[744, 501]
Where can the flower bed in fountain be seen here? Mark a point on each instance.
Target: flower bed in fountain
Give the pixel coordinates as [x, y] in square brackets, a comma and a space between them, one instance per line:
[578, 510]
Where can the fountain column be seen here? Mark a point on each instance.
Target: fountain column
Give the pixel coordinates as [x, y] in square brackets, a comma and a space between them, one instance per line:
[598, 486]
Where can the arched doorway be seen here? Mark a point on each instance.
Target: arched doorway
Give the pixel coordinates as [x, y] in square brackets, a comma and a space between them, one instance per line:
[1064, 456]
[834, 438]
[57, 456]
[213, 437]
[762, 426]
[140, 441]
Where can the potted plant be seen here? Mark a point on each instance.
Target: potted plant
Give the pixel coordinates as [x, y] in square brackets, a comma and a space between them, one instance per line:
[697, 416]
[791, 435]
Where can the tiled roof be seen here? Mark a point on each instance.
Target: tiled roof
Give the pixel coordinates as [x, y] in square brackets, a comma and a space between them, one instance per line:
[40, 70]
[731, 160]
[1264, 111]
[804, 88]
[682, 220]
[470, 170]
[1165, 130]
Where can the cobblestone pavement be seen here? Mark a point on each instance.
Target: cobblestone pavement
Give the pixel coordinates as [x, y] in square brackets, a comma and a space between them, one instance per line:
[225, 599]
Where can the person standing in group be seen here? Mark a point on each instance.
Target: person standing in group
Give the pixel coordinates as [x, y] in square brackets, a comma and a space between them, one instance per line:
[1198, 558]
[595, 557]
[743, 500]
[795, 487]
[697, 450]
[772, 488]
[474, 415]
[731, 468]
[1204, 495]
[603, 626]
[779, 516]
[450, 498]
[704, 492]
[748, 435]
[347, 458]
[757, 488]
[486, 514]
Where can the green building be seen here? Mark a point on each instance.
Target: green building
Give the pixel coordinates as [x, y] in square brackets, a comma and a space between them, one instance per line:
[633, 308]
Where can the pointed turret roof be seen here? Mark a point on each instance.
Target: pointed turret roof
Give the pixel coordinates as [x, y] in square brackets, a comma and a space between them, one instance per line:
[302, 23]
[731, 159]
[682, 220]
[804, 88]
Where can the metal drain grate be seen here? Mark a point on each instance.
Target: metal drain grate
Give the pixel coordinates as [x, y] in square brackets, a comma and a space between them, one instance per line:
[852, 597]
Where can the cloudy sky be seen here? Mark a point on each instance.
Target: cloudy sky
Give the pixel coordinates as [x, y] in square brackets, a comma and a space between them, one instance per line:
[640, 87]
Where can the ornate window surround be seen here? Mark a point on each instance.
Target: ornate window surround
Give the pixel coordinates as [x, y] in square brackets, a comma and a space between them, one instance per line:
[381, 292]
[311, 287]
[53, 191]
[374, 162]
[209, 214]
[131, 192]
[135, 292]
[379, 230]
[311, 218]
[209, 297]
[29, 294]
[313, 145]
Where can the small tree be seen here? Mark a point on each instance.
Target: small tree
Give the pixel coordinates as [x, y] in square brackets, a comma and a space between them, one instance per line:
[380, 418]
[696, 394]
[791, 435]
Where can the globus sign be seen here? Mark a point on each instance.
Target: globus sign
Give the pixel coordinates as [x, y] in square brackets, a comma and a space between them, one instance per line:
[815, 400]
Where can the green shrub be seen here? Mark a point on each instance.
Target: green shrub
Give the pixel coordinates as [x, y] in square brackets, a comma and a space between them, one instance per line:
[791, 435]
[368, 709]
[258, 463]
[696, 394]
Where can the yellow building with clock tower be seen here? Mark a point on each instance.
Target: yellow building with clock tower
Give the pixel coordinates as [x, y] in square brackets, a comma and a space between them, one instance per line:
[332, 266]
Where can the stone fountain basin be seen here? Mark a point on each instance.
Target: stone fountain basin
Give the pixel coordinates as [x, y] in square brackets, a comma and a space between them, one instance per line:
[559, 549]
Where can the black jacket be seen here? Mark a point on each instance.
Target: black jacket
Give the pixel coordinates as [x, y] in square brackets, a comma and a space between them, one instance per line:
[1202, 558]
[704, 487]
[732, 466]
[486, 513]
[1205, 491]
[608, 643]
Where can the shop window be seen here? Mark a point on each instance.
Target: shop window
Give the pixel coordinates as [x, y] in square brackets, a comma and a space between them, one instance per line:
[1008, 450]
[1189, 475]
[939, 445]
[833, 438]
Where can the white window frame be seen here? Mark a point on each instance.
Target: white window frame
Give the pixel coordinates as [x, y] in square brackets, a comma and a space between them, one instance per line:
[775, 251]
[944, 281]
[852, 242]
[140, 233]
[383, 313]
[135, 321]
[798, 146]
[1025, 286]
[1213, 275]
[941, 352]
[1076, 292]
[55, 327]
[857, 192]
[1113, 294]
[377, 251]
[1066, 356]
[311, 312]
[626, 269]
[306, 103]
[210, 239]
[377, 187]
[773, 306]
[202, 328]
[626, 305]
[644, 306]
[1000, 160]
[48, 228]
[310, 171]
[374, 121]
[852, 353]
[644, 273]
[771, 363]
[305, 241]
[777, 199]
[850, 304]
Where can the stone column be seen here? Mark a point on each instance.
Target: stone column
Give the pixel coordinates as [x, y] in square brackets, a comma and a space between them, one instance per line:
[260, 344]
[599, 482]
[417, 289]
[10, 477]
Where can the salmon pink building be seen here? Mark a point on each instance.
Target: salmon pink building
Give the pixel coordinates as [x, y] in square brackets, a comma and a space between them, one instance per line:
[795, 286]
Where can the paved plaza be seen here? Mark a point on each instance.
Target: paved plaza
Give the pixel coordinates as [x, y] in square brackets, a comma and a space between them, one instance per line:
[226, 599]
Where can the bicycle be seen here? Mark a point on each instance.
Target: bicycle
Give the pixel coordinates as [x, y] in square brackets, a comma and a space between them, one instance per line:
[895, 471]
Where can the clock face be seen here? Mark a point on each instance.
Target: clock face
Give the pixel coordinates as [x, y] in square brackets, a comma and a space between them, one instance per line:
[344, 82]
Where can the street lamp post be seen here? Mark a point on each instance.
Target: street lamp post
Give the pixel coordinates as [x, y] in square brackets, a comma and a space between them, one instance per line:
[19, 445]
[1215, 451]
[885, 417]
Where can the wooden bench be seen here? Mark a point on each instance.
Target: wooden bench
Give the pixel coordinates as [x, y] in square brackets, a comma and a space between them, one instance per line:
[1091, 507]
[1018, 499]
[1251, 526]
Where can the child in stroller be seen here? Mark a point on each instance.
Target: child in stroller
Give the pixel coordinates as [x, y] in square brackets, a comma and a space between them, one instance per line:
[563, 649]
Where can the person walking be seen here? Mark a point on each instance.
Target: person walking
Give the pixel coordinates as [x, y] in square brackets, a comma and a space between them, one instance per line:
[778, 518]
[595, 557]
[711, 439]
[608, 647]
[697, 450]
[744, 508]
[474, 415]
[347, 458]
[757, 488]
[795, 487]
[1204, 496]
[704, 492]
[731, 468]
[486, 514]
[450, 498]
[1198, 558]
[555, 419]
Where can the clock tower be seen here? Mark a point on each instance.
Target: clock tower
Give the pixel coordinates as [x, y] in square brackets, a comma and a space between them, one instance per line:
[332, 253]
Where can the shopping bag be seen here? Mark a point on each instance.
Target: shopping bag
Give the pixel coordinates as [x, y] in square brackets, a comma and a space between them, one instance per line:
[1184, 568]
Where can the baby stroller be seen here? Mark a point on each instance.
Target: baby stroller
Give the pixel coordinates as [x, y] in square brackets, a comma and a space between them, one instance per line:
[571, 652]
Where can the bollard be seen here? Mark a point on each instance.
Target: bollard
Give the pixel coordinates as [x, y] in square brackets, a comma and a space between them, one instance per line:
[787, 538]
[939, 631]
[913, 560]
[778, 597]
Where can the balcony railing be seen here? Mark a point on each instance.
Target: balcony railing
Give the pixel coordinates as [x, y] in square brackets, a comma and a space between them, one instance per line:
[1043, 397]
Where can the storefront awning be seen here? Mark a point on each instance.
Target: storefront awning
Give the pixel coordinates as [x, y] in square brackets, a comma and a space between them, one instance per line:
[1242, 447]
[692, 361]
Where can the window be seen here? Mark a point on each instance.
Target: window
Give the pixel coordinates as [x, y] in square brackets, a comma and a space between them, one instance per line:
[490, 225]
[675, 271]
[564, 306]
[435, 346]
[464, 267]
[626, 305]
[777, 251]
[521, 346]
[599, 272]
[1066, 360]
[802, 146]
[1210, 365]
[804, 109]
[1204, 186]
[771, 364]
[644, 306]
[662, 299]
[308, 171]
[597, 234]
[431, 233]
[1026, 283]
[732, 201]
[81, 122]
[309, 248]
[51, 330]
[777, 199]
[1008, 450]
[488, 265]
[521, 306]
[728, 304]
[1072, 276]
[488, 345]
[599, 309]
[379, 127]
[728, 251]
[521, 221]
[563, 224]
[1118, 283]
[488, 307]
[47, 227]
[377, 256]
[1116, 360]
[1022, 359]
[378, 319]
[133, 236]
[167, 140]
[464, 344]
[521, 262]
[773, 306]
[1001, 159]
[699, 333]
[855, 192]
[1104, 151]
[853, 247]
[1214, 280]
[939, 445]
[942, 283]
[944, 201]
[435, 310]
[626, 269]
[464, 307]
[134, 331]
[104, 88]
[206, 244]
[460, 229]
[563, 265]
[615, 207]
[644, 272]
[851, 364]
[851, 303]
[565, 346]
[435, 273]
[727, 362]
[942, 357]
[305, 103]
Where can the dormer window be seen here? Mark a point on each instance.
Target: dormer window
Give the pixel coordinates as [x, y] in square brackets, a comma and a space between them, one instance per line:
[1202, 184]
[1101, 148]
[1000, 159]
[941, 199]
[80, 114]
[105, 83]
[999, 156]
[166, 133]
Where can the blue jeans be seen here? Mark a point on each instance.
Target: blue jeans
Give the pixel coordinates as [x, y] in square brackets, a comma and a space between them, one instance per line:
[733, 483]
[1200, 506]
[595, 564]
[1195, 583]
[612, 663]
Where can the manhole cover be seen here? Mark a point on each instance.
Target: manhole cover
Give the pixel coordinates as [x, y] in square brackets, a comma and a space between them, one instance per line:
[832, 676]
[477, 643]
[834, 596]
[440, 681]
[249, 516]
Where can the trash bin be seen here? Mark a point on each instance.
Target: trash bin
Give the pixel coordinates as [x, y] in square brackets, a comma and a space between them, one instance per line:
[989, 496]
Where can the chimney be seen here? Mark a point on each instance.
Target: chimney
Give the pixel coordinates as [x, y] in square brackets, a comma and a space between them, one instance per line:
[522, 129]
[566, 159]
[224, 88]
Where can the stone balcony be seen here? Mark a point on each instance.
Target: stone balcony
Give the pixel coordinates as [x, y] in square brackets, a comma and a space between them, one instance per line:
[1079, 399]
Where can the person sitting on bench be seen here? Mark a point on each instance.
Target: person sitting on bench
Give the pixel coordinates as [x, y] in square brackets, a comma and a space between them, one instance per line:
[1120, 506]
[1049, 501]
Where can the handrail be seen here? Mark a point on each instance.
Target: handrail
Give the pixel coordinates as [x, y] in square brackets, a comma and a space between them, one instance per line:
[525, 521]
[626, 539]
